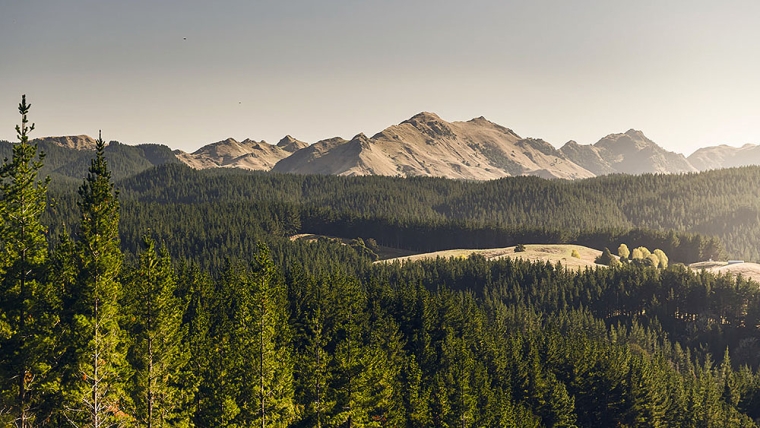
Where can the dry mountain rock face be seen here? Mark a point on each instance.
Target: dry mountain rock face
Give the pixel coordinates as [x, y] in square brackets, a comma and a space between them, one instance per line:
[724, 156]
[246, 154]
[628, 153]
[76, 142]
[426, 145]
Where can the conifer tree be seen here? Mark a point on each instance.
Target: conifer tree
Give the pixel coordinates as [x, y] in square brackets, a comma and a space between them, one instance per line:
[97, 396]
[196, 290]
[157, 352]
[249, 380]
[28, 304]
[315, 375]
[312, 371]
[348, 361]
[272, 357]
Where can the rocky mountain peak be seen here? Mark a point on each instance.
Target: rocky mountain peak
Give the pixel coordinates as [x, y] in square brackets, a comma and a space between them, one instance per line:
[430, 124]
[290, 144]
[254, 143]
[361, 140]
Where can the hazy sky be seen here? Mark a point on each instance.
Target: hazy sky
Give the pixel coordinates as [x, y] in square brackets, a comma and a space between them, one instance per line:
[687, 73]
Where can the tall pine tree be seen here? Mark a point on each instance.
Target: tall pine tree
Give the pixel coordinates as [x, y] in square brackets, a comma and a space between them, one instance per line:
[96, 394]
[27, 302]
[157, 353]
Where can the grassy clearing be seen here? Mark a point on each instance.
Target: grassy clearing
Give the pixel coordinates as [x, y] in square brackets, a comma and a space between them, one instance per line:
[534, 252]
[747, 270]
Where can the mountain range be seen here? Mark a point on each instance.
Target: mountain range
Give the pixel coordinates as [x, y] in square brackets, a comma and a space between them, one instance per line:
[423, 145]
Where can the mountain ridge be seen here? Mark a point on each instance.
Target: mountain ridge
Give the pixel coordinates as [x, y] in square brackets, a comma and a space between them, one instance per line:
[427, 145]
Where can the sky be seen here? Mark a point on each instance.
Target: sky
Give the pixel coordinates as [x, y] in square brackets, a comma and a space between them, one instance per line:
[188, 73]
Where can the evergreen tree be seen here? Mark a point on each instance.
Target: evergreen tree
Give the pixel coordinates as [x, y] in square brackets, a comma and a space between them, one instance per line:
[96, 396]
[157, 352]
[607, 259]
[314, 358]
[249, 381]
[196, 290]
[272, 355]
[349, 356]
[28, 304]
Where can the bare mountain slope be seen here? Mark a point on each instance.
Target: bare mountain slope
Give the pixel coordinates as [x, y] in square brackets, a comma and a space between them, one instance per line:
[587, 156]
[426, 145]
[247, 154]
[76, 142]
[724, 156]
[628, 153]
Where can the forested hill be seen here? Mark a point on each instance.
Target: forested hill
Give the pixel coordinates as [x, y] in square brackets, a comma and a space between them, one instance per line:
[690, 216]
[67, 158]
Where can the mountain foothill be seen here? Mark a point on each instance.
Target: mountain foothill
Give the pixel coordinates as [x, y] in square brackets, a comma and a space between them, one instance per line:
[423, 145]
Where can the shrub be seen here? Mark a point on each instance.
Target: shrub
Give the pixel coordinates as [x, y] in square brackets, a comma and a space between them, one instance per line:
[606, 258]
[623, 251]
[520, 248]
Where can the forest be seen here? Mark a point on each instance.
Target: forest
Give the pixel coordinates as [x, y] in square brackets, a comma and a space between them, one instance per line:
[174, 297]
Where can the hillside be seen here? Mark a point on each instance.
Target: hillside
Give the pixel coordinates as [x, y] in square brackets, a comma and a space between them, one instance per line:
[76, 142]
[69, 157]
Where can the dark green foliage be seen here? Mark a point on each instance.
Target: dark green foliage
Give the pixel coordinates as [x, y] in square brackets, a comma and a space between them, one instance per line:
[158, 388]
[70, 165]
[95, 392]
[607, 259]
[520, 248]
[211, 210]
[28, 303]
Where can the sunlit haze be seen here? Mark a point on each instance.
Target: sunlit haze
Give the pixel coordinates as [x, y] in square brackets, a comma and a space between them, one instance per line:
[188, 73]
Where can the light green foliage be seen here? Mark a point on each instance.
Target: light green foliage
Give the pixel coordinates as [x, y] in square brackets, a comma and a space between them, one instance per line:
[575, 254]
[662, 259]
[652, 260]
[274, 369]
[623, 251]
[641, 253]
